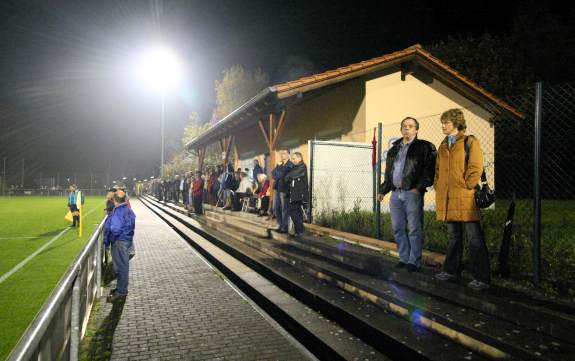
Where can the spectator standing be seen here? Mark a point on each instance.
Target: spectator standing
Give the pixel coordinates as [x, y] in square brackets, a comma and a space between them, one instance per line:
[409, 170]
[457, 173]
[296, 180]
[281, 203]
[121, 228]
[187, 182]
[198, 193]
[257, 170]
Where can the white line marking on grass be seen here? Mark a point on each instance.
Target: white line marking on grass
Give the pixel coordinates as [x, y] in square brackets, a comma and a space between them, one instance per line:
[30, 257]
[18, 237]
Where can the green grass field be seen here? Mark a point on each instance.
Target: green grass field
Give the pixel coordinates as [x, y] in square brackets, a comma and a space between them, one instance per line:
[27, 223]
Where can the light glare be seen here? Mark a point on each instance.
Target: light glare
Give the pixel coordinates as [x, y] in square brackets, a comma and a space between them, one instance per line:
[159, 68]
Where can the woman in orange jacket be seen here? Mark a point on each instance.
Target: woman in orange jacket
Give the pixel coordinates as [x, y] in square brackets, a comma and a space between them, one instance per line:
[457, 172]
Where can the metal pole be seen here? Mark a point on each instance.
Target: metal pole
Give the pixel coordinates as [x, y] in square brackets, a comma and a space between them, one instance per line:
[310, 146]
[378, 180]
[99, 264]
[75, 319]
[22, 180]
[162, 131]
[537, 185]
[4, 176]
[374, 191]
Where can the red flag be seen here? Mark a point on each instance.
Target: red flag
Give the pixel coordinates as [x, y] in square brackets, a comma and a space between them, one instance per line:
[373, 149]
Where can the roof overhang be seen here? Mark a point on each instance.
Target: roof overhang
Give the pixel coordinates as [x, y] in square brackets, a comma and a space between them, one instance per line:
[244, 116]
[269, 98]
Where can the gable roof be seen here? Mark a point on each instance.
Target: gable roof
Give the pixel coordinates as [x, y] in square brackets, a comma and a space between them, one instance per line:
[269, 96]
[414, 52]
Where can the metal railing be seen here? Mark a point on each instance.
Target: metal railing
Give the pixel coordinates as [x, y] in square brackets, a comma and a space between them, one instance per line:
[56, 331]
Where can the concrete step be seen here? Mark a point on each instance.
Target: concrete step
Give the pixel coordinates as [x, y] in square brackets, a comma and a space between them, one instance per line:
[351, 257]
[382, 329]
[491, 336]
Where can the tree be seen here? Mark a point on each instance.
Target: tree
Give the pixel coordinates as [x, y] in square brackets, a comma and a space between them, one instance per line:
[196, 127]
[488, 60]
[237, 86]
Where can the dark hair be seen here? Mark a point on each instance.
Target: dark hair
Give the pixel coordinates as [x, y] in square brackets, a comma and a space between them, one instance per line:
[299, 155]
[412, 118]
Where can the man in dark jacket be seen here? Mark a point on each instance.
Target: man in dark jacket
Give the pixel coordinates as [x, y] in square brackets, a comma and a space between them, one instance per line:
[281, 204]
[296, 180]
[121, 229]
[409, 170]
[257, 170]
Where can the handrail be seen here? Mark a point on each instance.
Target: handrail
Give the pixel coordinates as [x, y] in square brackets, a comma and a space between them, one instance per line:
[30, 345]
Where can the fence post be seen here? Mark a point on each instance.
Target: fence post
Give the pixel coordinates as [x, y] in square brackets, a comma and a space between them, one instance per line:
[537, 185]
[374, 185]
[75, 319]
[310, 146]
[378, 179]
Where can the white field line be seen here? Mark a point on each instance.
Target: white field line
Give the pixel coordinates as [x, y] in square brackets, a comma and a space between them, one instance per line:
[18, 237]
[30, 257]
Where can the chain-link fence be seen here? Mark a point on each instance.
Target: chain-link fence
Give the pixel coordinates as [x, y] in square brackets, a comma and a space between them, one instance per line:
[507, 143]
[515, 145]
[341, 176]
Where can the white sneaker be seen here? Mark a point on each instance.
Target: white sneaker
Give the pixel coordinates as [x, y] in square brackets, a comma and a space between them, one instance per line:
[478, 285]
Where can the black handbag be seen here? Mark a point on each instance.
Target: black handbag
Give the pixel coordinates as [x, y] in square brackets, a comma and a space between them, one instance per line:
[484, 195]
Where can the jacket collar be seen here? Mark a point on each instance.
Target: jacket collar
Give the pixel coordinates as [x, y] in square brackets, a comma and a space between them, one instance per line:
[460, 135]
[121, 205]
[400, 140]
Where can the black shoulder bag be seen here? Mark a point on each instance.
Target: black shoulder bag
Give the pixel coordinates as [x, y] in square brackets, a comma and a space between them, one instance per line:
[484, 195]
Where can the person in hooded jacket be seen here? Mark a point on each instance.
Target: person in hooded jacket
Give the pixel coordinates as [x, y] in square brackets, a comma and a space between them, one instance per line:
[121, 229]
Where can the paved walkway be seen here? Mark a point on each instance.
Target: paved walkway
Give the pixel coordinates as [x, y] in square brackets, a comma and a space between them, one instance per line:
[180, 309]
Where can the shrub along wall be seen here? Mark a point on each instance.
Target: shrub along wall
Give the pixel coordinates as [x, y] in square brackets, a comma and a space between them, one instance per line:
[557, 238]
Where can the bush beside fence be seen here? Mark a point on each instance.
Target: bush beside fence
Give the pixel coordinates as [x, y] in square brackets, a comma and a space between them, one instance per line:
[558, 248]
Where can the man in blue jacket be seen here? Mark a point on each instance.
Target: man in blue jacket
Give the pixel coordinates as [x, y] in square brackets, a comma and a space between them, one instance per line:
[121, 230]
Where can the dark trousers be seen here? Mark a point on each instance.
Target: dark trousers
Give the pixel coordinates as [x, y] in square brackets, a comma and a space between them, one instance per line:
[75, 219]
[197, 201]
[478, 254]
[264, 205]
[296, 215]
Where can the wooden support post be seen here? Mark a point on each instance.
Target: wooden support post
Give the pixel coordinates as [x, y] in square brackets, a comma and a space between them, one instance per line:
[228, 144]
[201, 153]
[272, 135]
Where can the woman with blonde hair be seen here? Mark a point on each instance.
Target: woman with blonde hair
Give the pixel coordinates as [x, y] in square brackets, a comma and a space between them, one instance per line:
[458, 171]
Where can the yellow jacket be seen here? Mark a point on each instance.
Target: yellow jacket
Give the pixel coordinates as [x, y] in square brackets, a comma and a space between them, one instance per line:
[455, 182]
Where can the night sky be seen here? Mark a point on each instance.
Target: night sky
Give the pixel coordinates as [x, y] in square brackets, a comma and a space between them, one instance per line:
[68, 104]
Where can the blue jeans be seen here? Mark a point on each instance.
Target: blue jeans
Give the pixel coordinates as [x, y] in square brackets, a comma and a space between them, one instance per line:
[121, 261]
[281, 210]
[406, 209]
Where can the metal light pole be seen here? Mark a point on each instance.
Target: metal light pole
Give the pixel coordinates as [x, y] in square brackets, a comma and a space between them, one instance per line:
[159, 68]
[4, 176]
[163, 121]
